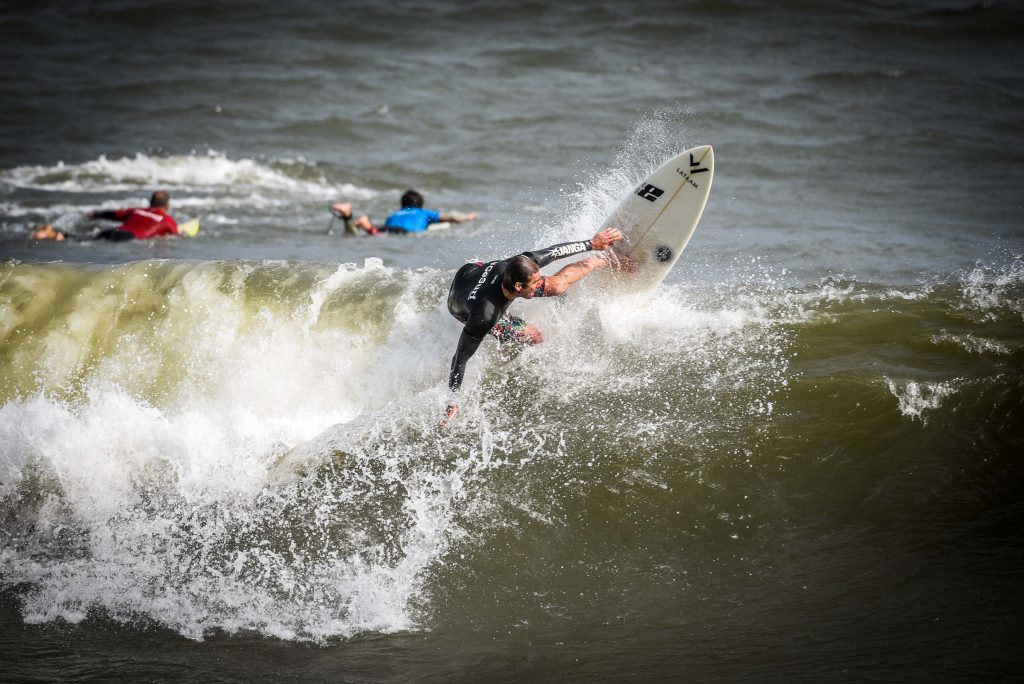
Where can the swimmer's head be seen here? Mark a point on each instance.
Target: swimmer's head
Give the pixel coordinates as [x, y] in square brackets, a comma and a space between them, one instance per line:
[160, 200]
[412, 199]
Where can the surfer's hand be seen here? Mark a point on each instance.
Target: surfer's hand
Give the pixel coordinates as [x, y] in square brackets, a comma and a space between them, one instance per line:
[621, 262]
[452, 410]
[605, 239]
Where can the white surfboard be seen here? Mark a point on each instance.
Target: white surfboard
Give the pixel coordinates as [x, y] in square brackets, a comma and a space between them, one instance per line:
[658, 217]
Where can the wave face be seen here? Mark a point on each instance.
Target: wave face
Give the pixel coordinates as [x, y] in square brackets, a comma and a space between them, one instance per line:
[226, 446]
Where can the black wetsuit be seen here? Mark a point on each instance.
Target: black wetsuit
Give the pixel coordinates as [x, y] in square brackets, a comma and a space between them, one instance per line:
[476, 299]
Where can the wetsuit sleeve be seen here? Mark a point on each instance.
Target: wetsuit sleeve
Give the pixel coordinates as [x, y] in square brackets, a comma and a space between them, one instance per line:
[545, 256]
[108, 215]
[467, 347]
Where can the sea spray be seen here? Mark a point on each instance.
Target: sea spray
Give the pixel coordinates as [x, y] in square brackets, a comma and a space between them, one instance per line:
[186, 435]
[252, 446]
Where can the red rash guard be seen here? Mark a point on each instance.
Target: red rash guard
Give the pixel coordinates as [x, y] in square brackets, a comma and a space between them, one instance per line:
[146, 223]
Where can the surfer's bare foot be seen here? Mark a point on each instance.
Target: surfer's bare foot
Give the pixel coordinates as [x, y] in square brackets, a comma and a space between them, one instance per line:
[362, 222]
[621, 262]
[47, 232]
[342, 209]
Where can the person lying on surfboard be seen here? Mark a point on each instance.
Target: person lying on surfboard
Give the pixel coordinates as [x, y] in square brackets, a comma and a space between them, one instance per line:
[411, 218]
[481, 292]
[137, 223]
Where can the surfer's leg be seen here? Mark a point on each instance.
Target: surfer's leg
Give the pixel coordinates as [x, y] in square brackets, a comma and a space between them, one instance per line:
[48, 232]
[366, 224]
[530, 335]
[114, 235]
[515, 329]
[344, 210]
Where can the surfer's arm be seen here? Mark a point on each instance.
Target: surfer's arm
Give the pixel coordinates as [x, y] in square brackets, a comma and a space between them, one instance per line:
[457, 216]
[467, 347]
[108, 215]
[558, 283]
[545, 256]
[603, 240]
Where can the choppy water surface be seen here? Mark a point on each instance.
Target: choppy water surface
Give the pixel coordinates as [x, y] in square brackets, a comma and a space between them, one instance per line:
[798, 459]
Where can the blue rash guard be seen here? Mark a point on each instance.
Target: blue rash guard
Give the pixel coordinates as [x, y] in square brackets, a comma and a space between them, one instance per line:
[411, 220]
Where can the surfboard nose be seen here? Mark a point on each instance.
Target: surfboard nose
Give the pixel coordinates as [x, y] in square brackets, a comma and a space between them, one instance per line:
[703, 153]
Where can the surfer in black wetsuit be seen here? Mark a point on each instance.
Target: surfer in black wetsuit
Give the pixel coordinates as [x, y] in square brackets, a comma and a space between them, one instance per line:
[481, 292]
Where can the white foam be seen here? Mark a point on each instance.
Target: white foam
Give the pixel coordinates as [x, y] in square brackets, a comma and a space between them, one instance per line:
[210, 171]
[203, 424]
[973, 344]
[248, 385]
[653, 140]
[915, 398]
[991, 288]
[669, 314]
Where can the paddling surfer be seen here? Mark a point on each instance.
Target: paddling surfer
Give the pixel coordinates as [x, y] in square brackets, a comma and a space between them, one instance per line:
[410, 218]
[137, 223]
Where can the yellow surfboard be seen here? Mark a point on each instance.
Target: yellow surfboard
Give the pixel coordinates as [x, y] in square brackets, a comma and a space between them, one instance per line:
[189, 228]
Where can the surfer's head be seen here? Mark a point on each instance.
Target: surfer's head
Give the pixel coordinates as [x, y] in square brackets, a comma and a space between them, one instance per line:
[522, 277]
[160, 200]
[412, 199]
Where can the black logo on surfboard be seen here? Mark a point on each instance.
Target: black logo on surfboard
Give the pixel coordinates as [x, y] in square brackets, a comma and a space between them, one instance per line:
[694, 169]
[662, 253]
[649, 192]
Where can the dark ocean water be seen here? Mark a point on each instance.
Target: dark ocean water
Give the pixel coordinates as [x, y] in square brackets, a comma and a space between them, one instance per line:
[798, 460]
